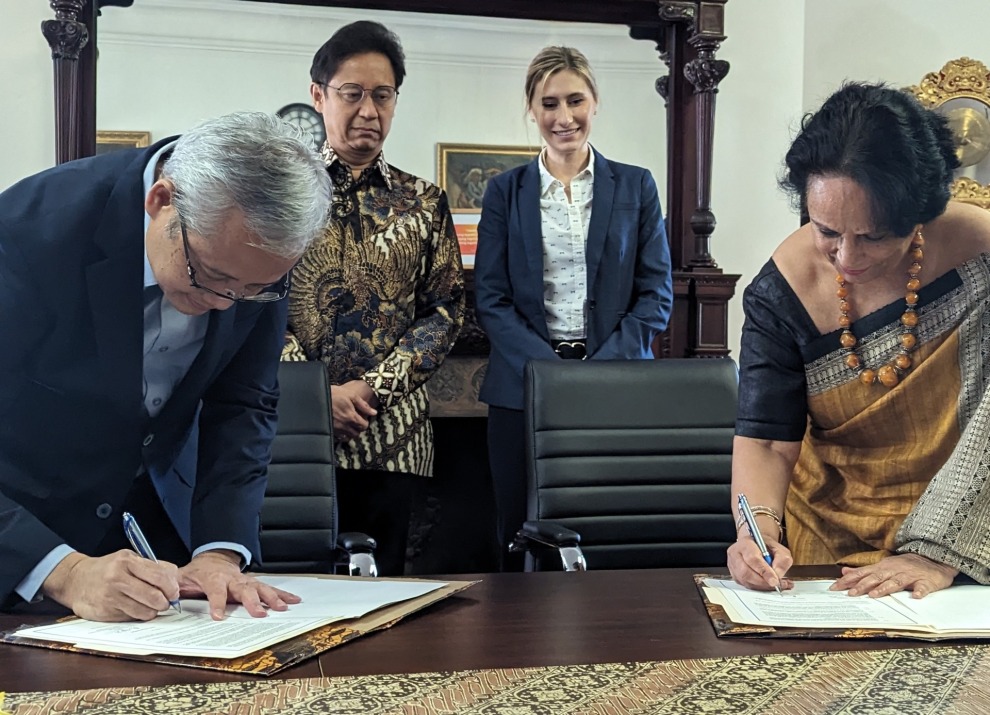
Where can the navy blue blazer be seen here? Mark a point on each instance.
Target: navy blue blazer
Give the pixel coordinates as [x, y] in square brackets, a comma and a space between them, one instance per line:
[73, 431]
[629, 274]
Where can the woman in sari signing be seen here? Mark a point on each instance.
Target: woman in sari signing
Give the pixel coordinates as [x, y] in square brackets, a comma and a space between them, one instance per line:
[864, 410]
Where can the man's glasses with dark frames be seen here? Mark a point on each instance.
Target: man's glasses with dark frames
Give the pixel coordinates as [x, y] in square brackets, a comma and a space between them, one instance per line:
[266, 296]
[383, 96]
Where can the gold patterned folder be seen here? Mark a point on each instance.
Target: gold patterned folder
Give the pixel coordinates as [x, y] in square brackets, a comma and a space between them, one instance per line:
[281, 655]
[725, 627]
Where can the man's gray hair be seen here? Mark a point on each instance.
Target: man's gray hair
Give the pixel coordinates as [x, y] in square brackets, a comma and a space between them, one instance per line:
[260, 165]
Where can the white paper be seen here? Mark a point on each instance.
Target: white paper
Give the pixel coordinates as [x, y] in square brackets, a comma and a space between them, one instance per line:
[959, 608]
[194, 633]
[811, 605]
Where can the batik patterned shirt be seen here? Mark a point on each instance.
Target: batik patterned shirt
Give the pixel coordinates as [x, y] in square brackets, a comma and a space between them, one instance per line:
[380, 297]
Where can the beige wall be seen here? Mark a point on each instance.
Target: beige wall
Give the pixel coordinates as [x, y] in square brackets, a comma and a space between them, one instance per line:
[896, 41]
[166, 64]
[27, 138]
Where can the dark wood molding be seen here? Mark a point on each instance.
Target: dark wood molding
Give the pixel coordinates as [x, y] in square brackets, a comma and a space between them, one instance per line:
[613, 12]
[687, 35]
[67, 35]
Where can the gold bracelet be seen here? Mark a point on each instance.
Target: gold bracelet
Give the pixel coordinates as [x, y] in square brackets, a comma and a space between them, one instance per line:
[759, 509]
[766, 511]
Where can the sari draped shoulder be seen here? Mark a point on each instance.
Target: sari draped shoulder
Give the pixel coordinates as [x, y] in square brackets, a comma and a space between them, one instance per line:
[881, 470]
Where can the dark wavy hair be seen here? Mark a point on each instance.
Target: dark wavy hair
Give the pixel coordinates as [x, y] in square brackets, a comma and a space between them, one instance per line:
[358, 38]
[902, 154]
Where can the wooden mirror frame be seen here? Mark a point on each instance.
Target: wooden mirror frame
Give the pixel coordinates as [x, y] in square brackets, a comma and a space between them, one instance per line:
[963, 78]
[687, 35]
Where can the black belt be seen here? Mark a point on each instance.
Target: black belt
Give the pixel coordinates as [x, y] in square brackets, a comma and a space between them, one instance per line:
[570, 349]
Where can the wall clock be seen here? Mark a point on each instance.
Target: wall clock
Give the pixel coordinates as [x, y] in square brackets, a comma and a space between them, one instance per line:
[306, 118]
[961, 92]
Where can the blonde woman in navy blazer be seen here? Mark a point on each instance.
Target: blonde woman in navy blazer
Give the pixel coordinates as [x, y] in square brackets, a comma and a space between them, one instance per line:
[572, 263]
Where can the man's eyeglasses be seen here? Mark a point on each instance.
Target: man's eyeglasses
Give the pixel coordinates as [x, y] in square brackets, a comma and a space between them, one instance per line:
[351, 93]
[266, 296]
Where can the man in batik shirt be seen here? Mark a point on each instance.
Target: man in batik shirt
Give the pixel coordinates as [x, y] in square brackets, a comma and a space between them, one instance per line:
[380, 297]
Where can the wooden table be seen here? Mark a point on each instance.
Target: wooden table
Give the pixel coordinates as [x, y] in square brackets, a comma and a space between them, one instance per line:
[507, 620]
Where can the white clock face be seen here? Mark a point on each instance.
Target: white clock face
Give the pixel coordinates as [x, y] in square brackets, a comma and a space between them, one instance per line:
[306, 118]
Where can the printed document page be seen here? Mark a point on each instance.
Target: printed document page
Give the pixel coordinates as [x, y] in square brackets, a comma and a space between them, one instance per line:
[958, 608]
[194, 633]
[809, 605]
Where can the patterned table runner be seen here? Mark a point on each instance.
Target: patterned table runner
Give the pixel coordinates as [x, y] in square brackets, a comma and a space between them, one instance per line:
[917, 681]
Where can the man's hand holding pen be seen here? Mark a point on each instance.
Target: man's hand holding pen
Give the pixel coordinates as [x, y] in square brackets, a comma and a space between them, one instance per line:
[121, 586]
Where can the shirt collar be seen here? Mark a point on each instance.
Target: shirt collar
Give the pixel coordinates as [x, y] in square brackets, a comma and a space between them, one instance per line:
[547, 179]
[149, 181]
[330, 156]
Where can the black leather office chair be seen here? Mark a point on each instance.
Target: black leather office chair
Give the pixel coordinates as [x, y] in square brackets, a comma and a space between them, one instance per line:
[299, 513]
[629, 462]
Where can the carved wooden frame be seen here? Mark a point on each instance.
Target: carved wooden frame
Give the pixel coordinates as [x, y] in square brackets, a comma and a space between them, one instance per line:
[960, 78]
[687, 34]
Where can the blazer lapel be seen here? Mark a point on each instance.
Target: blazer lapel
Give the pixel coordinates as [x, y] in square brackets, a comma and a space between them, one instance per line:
[529, 217]
[601, 215]
[115, 290]
[531, 225]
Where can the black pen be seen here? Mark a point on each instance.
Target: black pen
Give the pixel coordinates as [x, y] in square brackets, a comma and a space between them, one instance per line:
[747, 514]
[141, 545]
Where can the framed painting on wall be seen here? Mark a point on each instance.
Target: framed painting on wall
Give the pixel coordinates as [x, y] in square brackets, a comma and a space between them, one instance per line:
[107, 141]
[463, 171]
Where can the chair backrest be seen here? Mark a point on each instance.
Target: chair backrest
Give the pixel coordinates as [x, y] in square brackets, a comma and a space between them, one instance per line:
[635, 455]
[299, 513]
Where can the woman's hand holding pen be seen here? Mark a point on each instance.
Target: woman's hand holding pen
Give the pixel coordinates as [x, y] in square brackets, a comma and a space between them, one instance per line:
[748, 568]
[121, 586]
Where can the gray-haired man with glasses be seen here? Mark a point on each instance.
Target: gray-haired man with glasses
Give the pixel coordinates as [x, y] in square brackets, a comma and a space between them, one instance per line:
[379, 298]
[139, 289]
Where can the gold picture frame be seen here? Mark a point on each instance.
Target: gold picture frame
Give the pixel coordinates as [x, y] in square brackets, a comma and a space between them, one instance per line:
[112, 140]
[463, 170]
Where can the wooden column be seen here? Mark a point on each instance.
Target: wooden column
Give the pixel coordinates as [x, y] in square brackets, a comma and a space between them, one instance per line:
[687, 38]
[67, 35]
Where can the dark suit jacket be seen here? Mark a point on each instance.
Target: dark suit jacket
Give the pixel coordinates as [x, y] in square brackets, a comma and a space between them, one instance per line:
[628, 259]
[73, 429]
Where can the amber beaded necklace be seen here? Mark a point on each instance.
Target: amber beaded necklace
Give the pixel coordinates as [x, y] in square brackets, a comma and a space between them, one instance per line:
[891, 373]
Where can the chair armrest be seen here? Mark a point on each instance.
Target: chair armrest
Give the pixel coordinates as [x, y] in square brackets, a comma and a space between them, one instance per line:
[549, 533]
[354, 542]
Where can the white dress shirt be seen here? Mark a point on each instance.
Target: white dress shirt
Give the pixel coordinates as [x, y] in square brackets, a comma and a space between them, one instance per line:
[564, 225]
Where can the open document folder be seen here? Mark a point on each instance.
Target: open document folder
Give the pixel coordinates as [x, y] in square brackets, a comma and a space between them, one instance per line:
[194, 633]
[955, 612]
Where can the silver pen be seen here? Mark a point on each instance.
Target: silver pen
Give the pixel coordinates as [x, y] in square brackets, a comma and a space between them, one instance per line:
[141, 545]
[747, 514]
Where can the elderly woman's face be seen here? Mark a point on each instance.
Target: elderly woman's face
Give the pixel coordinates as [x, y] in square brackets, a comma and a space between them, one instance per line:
[357, 130]
[839, 210]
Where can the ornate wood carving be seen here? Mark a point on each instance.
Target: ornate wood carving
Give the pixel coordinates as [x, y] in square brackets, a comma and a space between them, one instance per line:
[67, 36]
[971, 191]
[964, 78]
[690, 33]
[72, 38]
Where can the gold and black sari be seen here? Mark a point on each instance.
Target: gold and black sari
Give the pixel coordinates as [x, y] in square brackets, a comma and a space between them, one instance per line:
[881, 470]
